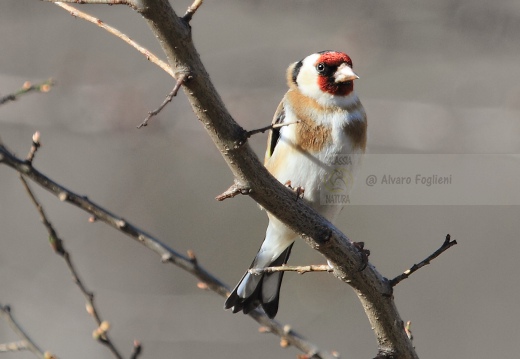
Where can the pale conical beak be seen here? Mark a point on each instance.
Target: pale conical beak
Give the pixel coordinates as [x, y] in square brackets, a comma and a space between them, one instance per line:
[344, 73]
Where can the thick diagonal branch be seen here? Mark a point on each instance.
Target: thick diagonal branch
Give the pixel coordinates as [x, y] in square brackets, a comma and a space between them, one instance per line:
[374, 291]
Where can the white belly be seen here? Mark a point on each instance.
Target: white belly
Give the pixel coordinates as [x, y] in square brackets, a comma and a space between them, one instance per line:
[327, 173]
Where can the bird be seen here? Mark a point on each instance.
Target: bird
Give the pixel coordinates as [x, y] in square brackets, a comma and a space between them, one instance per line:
[316, 144]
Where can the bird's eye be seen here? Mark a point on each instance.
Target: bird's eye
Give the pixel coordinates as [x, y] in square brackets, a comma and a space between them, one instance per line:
[321, 67]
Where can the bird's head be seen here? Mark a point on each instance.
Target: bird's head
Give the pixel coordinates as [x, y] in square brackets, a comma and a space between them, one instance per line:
[323, 76]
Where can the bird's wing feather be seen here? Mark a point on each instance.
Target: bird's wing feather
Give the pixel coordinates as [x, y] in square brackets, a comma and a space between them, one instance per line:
[274, 134]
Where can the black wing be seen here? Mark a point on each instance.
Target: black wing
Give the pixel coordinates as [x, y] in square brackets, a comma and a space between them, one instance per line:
[274, 134]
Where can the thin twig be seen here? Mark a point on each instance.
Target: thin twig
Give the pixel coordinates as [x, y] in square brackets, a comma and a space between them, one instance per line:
[108, 2]
[35, 145]
[191, 10]
[448, 243]
[248, 134]
[167, 254]
[270, 127]
[299, 269]
[55, 241]
[234, 190]
[57, 246]
[149, 56]
[5, 311]
[28, 87]
[14, 346]
[138, 349]
[182, 78]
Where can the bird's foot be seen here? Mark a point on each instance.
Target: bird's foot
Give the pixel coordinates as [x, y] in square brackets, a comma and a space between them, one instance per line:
[300, 191]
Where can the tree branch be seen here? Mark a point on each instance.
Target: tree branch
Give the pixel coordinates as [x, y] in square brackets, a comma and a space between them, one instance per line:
[13, 346]
[167, 100]
[82, 15]
[191, 10]
[100, 334]
[448, 243]
[270, 127]
[234, 190]
[137, 350]
[167, 254]
[372, 288]
[35, 145]
[299, 269]
[26, 88]
[5, 311]
[108, 2]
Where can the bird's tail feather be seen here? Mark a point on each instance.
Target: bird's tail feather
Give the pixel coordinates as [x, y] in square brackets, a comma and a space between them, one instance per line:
[262, 289]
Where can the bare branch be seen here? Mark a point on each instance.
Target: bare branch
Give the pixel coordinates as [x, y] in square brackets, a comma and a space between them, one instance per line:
[191, 10]
[182, 78]
[101, 334]
[5, 311]
[13, 346]
[149, 55]
[448, 243]
[108, 2]
[167, 254]
[137, 350]
[191, 255]
[35, 145]
[246, 135]
[234, 190]
[299, 269]
[55, 241]
[270, 127]
[28, 87]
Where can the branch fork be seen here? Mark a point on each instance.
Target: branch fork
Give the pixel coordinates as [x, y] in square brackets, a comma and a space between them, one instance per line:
[180, 81]
[249, 134]
[191, 10]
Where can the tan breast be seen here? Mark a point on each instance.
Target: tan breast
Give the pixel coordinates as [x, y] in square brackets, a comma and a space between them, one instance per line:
[314, 137]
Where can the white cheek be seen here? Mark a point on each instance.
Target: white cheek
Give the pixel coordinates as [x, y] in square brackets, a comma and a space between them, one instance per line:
[308, 83]
[308, 78]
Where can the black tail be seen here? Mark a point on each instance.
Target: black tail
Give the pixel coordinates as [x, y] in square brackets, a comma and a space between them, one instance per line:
[261, 289]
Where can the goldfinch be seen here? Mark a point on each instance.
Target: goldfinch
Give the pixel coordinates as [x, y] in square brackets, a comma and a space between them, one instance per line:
[318, 150]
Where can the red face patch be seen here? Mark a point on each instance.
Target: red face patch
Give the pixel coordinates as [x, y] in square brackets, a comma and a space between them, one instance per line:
[332, 58]
[326, 65]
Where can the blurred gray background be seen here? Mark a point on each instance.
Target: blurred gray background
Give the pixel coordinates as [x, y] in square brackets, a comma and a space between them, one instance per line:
[436, 78]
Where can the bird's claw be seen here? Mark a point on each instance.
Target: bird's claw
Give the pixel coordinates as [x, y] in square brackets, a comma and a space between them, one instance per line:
[300, 191]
